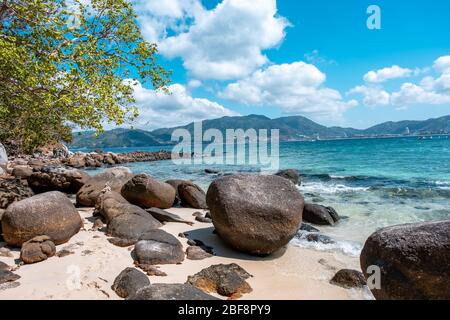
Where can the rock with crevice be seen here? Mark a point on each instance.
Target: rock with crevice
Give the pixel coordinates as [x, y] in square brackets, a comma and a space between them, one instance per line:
[37, 249]
[192, 196]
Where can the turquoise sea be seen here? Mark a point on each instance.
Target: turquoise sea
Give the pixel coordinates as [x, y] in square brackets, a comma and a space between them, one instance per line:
[372, 182]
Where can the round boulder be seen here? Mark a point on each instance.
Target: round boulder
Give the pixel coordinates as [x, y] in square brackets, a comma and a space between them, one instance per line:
[147, 192]
[50, 214]
[320, 215]
[413, 261]
[129, 281]
[37, 249]
[257, 214]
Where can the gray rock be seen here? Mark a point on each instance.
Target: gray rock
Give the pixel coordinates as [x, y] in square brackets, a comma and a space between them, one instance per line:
[197, 253]
[164, 216]
[348, 279]
[320, 215]
[158, 247]
[37, 249]
[7, 276]
[147, 192]
[173, 291]
[50, 214]
[308, 228]
[129, 281]
[257, 214]
[290, 174]
[132, 226]
[22, 171]
[227, 280]
[414, 261]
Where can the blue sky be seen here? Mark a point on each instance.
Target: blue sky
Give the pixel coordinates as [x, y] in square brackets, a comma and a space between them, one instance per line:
[312, 58]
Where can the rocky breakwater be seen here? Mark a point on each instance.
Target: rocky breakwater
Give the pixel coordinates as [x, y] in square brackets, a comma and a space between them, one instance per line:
[257, 214]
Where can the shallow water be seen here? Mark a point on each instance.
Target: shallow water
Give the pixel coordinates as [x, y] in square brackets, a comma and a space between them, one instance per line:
[374, 182]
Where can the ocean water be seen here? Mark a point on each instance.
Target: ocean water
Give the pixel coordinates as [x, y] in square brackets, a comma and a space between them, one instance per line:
[372, 182]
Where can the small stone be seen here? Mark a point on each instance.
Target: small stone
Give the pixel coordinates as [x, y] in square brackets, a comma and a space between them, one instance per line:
[348, 278]
[197, 253]
[151, 270]
[203, 219]
[63, 253]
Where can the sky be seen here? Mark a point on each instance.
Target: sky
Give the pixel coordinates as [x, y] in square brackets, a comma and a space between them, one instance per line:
[318, 59]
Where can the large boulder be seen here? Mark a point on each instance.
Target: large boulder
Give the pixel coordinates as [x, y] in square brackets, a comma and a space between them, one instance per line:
[320, 215]
[257, 214]
[57, 178]
[12, 190]
[170, 291]
[129, 281]
[37, 249]
[290, 174]
[158, 247]
[414, 261]
[114, 178]
[50, 214]
[147, 192]
[175, 183]
[132, 226]
[192, 196]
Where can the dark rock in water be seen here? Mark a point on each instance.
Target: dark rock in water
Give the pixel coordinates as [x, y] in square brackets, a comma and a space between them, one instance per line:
[192, 196]
[37, 249]
[308, 228]
[158, 247]
[225, 279]
[147, 192]
[114, 178]
[197, 253]
[348, 278]
[414, 261]
[7, 276]
[119, 242]
[257, 214]
[50, 178]
[315, 237]
[12, 190]
[320, 215]
[174, 291]
[50, 214]
[211, 171]
[129, 281]
[290, 174]
[164, 216]
[132, 226]
[111, 204]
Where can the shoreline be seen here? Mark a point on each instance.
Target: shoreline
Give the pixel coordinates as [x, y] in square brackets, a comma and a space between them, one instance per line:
[295, 274]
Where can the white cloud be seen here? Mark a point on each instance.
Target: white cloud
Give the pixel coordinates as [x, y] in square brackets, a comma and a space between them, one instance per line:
[158, 109]
[410, 94]
[442, 64]
[385, 74]
[295, 88]
[372, 96]
[223, 43]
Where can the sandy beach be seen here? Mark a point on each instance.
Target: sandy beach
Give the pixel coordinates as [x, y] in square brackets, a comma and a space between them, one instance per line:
[89, 272]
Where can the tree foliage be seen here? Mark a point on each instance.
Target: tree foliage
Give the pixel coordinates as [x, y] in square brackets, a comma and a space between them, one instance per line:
[65, 63]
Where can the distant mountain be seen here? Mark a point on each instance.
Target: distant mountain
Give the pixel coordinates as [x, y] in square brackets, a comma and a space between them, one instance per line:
[291, 128]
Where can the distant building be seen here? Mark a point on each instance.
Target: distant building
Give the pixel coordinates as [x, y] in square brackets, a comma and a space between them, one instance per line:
[407, 132]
